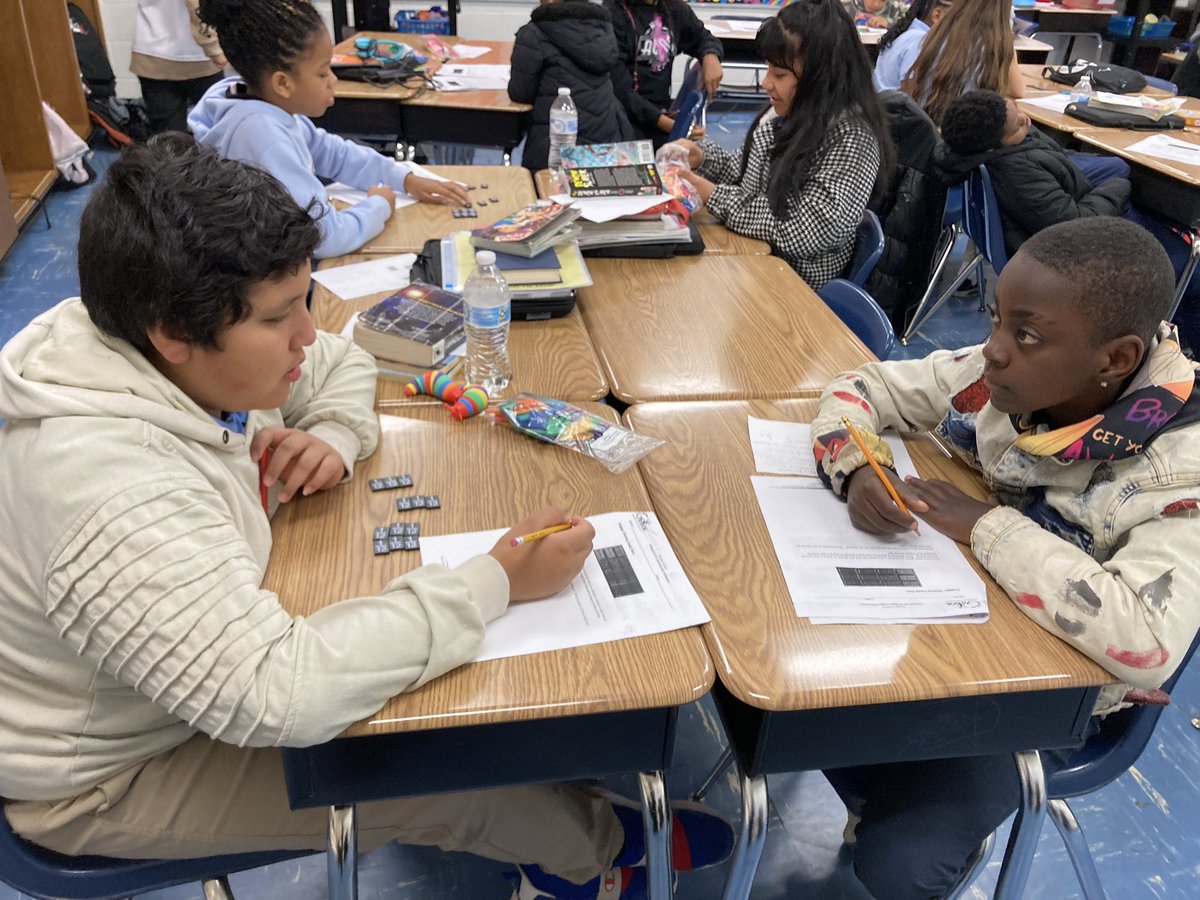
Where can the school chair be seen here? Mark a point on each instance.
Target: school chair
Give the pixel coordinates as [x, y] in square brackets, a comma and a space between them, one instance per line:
[691, 82]
[47, 875]
[861, 314]
[1162, 84]
[952, 230]
[1103, 758]
[981, 223]
[688, 114]
[868, 247]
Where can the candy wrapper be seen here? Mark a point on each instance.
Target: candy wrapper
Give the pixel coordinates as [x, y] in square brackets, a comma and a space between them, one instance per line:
[670, 160]
[560, 423]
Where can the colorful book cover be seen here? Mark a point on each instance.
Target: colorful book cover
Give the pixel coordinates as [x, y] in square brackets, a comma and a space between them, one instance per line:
[419, 312]
[614, 181]
[525, 224]
[623, 153]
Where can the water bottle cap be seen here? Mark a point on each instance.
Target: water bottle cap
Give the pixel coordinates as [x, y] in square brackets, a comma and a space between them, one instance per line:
[564, 92]
[485, 258]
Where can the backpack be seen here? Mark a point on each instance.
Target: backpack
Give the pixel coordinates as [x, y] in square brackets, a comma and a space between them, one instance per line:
[1113, 79]
[124, 121]
[1111, 118]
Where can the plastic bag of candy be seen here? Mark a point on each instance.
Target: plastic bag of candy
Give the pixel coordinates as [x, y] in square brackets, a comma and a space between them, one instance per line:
[670, 160]
[561, 423]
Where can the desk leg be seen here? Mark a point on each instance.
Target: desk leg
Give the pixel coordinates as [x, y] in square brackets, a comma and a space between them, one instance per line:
[656, 819]
[342, 853]
[1185, 276]
[751, 838]
[1026, 829]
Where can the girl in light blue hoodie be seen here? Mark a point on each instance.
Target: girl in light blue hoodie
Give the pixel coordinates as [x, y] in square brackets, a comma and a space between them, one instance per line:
[262, 117]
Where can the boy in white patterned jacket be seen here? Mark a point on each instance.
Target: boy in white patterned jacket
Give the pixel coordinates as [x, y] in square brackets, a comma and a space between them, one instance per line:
[1082, 416]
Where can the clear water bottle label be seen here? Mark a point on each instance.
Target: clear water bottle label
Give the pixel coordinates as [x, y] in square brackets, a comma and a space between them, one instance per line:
[564, 125]
[488, 316]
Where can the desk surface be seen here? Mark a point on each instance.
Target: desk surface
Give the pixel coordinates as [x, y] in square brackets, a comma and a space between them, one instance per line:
[713, 328]
[409, 228]
[553, 357]
[1031, 74]
[499, 54]
[717, 238]
[322, 553]
[766, 656]
[1117, 140]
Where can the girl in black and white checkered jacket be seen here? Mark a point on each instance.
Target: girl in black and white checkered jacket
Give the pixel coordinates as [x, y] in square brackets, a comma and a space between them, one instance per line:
[813, 159]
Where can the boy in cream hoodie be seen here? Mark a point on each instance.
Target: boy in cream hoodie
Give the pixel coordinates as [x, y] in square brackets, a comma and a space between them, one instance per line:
[149, 681]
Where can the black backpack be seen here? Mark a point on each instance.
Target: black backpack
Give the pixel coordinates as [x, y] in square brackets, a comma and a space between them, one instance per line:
[124, 121]
[1113, 79]
[1112, 118]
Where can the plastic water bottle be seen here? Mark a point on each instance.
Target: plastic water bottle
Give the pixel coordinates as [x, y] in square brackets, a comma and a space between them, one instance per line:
[488, 311]
[564, 125]
[1083, 90]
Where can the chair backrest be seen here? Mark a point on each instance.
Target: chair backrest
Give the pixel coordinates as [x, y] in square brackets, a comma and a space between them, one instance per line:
[981, 219]
[38, 872]
[861, 314]
[868, 247]
[1110, 752]
[691, 82]
[689, 112]
[1162, 84]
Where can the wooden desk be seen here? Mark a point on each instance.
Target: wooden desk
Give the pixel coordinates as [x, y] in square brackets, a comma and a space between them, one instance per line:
[1167, 188]
[553, 357]
[550, 716]
[713, 327]
[794, 696]
[483, 118]
[409, 228]
[717, 238]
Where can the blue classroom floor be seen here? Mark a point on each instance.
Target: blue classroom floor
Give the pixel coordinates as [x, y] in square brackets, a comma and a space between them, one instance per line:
[1138, 827]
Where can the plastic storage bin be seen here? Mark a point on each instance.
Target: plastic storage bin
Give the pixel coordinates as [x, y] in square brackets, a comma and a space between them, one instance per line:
[431, 21]
[1124, 25]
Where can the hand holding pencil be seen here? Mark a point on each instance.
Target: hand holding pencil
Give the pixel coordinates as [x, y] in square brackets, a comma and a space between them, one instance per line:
[542, 553]
[875, 498]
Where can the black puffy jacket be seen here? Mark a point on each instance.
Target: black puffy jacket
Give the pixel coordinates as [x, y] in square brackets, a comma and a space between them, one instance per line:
[567, 44]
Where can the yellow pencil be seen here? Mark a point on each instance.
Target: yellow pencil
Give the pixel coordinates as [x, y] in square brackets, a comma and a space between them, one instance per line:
[540, 533]
[862, 445]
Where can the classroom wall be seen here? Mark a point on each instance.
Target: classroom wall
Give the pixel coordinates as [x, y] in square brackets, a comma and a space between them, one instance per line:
[482, 20]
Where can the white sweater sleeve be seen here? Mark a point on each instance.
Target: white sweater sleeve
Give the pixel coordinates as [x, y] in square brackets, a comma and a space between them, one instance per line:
[157, 587]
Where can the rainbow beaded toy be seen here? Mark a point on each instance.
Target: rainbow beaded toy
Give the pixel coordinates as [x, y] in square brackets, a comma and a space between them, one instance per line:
[463, 402]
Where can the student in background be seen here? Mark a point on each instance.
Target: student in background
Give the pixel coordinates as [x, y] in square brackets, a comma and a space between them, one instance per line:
[898, 49]
[814, 157]
[1039, 184]
[567, 43]
[150, 682]
[876, 13]
[263, 117]
[971, 47]
[176, 59]
[650, 34]
[1084, 418]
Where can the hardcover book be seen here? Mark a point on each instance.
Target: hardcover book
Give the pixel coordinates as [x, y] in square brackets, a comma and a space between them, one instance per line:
[415, 325]
[528, 231]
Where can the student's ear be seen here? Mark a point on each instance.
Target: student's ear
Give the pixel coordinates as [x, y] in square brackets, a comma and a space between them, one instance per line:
[1124, 355]
[281, 83]
[174, 350]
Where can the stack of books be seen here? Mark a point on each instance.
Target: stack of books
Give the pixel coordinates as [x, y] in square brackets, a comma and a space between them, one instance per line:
[417, 328]
[528, 231]
[1138, 104]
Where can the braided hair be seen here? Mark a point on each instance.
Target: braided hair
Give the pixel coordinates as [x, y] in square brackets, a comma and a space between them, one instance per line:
[920, 9]
[262, 36]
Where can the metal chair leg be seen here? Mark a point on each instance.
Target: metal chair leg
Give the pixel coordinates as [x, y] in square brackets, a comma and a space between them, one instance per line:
[342, 860]
[977, 863]
[946, 294]
[718, 770]
[1064, 820]
[656, 820]
[752, 837]
[920, 314]
[217, 889]
[1185, 276]
[1026, 828]
[979, 280]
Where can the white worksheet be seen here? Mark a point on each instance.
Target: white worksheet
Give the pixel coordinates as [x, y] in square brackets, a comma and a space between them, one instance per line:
[386, 273]
[347, 194]
[1053, 102]
[471, 77]
[606, 209]
[631, 585]
[781, 448]
[1166, 147]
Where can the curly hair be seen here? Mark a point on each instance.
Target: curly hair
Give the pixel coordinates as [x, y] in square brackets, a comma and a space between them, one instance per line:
[975, 122]
[262, 36]
[1124, 278]
[176, 237]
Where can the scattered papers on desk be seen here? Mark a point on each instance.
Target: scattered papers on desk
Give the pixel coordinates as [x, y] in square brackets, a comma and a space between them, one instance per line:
[837, 574]
[471, 77]
[467, 51]
[458, 262]
[606, 209]
[387, 273]
[781, 448]
[1053, 102]
[1165, 147]
[347, 194]
[631, 585]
